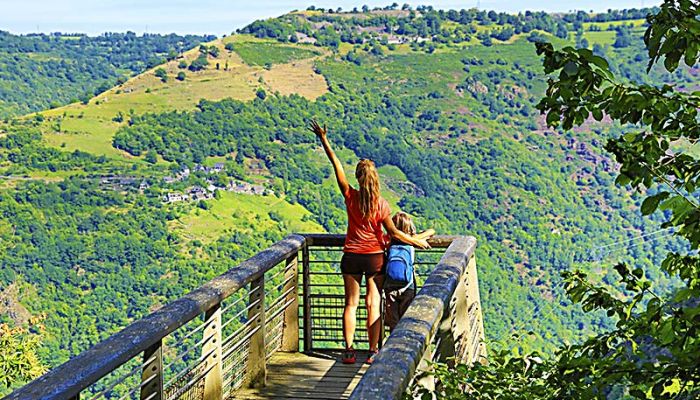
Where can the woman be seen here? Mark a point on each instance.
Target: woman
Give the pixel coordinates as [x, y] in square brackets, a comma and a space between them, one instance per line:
[363, 253]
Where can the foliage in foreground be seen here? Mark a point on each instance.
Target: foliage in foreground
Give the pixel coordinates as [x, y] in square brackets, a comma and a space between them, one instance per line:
[18, 359]
[654, 349]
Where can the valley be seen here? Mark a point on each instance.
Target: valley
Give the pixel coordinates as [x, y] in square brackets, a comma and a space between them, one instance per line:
[443, 101]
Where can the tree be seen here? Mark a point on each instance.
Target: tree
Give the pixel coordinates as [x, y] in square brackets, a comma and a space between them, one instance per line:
[181, 76]
[162, 74]
[229, 46]
[151, 157]
[19, 362]
[199, 63]
[653, 352]
[622, 37]
[562, 32]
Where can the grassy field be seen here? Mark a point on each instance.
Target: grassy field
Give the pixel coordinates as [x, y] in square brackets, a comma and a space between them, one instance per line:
[294, 78]
[601, 37]
[260, 54]
[241, 210]
[604, 25]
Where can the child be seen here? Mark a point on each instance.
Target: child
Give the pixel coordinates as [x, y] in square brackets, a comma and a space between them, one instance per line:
[400, 282]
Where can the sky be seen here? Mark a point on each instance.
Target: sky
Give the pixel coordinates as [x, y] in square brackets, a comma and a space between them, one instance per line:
[223, 17]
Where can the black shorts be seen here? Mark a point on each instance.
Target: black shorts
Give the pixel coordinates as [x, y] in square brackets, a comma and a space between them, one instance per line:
[362, 264]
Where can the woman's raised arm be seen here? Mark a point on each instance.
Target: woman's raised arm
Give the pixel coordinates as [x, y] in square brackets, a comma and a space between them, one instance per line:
[337, 166]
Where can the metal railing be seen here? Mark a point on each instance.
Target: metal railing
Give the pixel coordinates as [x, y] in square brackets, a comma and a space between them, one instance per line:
[323, 295]
[219, 337]
[202, 346]
[443, 323]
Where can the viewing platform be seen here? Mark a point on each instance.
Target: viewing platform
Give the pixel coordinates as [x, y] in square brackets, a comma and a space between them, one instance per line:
[271, 328]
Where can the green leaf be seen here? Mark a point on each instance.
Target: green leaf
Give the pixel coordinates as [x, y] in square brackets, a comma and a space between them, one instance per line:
[651, 203]
[630, 137]
[553, 118]
[597, 114]
[622, 180]
[600, 62]
[571, 68]
[691, 54]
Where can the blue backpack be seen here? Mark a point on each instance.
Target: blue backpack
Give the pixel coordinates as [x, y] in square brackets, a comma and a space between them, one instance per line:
[399, 267]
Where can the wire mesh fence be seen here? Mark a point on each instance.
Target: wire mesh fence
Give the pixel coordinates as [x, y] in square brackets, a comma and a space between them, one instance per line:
[327, 300]
[188, 354]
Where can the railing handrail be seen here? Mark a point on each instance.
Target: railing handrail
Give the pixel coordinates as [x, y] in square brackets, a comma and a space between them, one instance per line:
[395, 366]
[67, 380]
[337, 240]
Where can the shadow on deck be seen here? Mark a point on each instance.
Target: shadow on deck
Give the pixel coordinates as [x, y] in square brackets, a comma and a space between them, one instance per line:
[318, 375]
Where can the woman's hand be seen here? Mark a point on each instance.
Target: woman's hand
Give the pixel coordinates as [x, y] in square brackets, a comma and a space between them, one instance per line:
[337, 166]
[317, 129]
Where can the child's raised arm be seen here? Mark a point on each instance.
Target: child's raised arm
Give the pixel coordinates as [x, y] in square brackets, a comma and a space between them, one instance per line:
[413, 240]
[426, 234]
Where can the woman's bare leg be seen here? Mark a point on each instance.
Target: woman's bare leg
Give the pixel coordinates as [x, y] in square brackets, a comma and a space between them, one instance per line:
[352, 299]
[373, 300]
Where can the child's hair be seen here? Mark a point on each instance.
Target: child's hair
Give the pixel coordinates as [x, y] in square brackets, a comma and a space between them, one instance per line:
[404, 223]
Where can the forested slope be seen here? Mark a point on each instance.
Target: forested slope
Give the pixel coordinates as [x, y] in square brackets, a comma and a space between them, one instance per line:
[442, 101]
[40, 71]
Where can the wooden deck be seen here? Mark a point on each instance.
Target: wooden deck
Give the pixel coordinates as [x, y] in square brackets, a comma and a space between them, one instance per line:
[320, 375]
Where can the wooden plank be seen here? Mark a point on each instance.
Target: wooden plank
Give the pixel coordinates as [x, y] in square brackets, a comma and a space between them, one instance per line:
[256, 369]
[212, 379]
[315, 373]
[307, 395]
[290, 329]
[262, 394]
[152, 372]
[296, 375]
[306, 287]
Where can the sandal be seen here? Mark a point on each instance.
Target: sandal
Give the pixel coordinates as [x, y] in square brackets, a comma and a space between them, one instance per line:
[370, 357]
[349, 356]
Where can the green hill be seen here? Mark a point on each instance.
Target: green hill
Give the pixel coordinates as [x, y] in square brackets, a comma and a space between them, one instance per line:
[39, 71]
[443, 101]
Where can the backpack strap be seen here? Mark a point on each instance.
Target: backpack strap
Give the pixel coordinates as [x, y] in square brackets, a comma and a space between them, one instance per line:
[415, 285]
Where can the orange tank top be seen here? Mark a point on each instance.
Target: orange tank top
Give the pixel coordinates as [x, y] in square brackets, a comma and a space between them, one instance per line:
[364, 236]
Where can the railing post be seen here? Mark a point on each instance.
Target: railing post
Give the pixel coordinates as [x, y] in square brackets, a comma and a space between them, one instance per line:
[306, 282]
[256, 357]
[213, 385]
[152, 373]
[459, 329]
[290, 329]
[474, 300]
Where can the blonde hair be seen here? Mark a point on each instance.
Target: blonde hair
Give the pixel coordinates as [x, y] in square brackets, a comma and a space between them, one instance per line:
[404, 223]
[368, 180]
